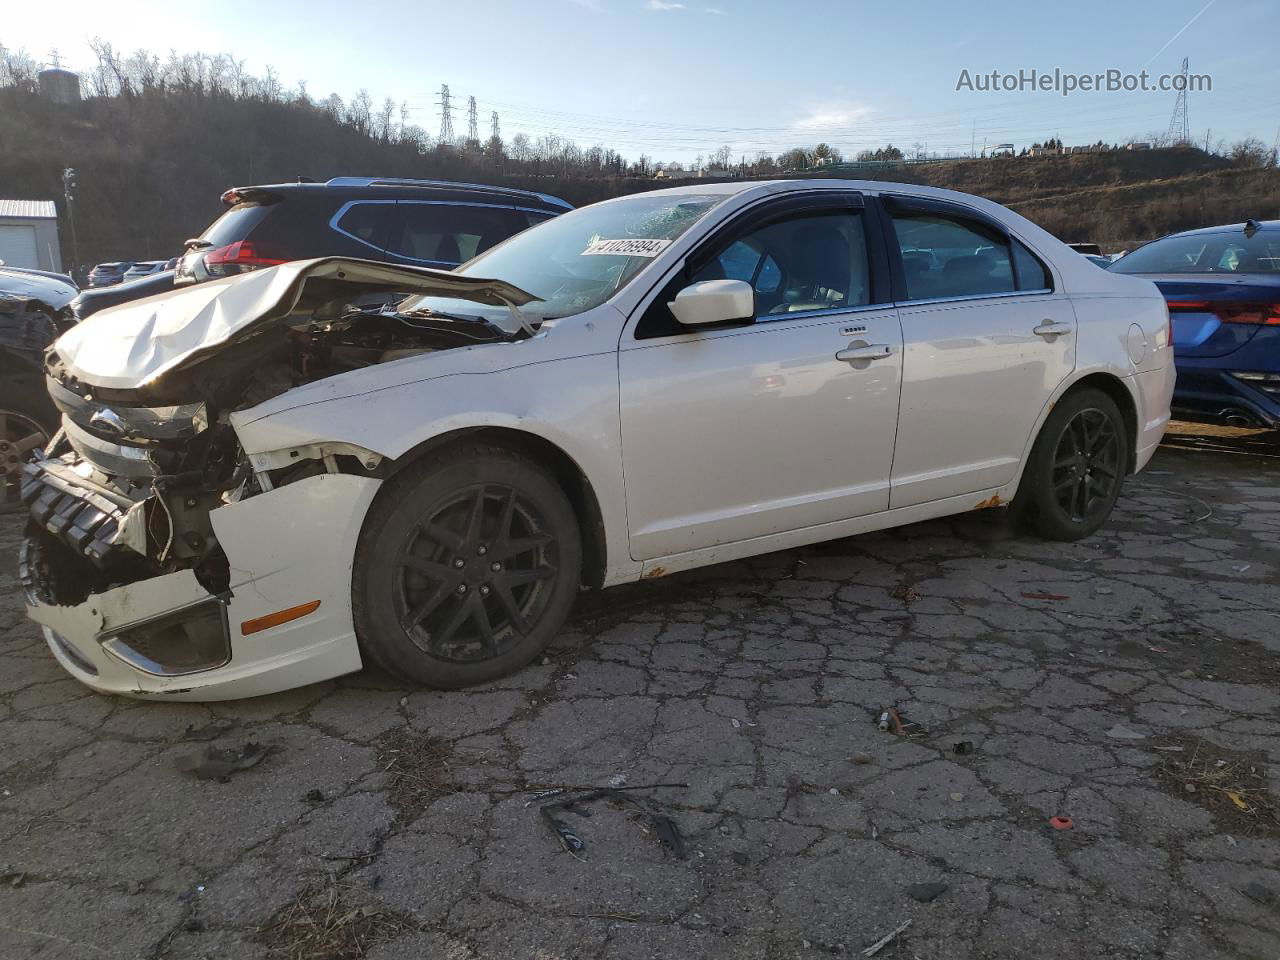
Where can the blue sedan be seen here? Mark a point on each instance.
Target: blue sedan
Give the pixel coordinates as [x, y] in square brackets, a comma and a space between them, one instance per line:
[1222, 285]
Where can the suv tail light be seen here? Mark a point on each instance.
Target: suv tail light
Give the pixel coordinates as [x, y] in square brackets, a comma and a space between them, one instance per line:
[1232, 311]
[238, 257]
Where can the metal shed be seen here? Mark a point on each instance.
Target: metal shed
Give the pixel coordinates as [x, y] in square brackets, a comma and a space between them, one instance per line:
[29, 235]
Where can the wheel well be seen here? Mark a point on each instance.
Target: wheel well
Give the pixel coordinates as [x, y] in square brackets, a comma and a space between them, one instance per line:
[563, 468]
[1115, 389]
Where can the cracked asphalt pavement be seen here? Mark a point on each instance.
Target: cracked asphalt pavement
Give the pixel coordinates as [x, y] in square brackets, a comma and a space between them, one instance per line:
[1128, 682]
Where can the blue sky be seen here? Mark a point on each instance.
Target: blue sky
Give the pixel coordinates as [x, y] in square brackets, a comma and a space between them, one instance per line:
[675, 78]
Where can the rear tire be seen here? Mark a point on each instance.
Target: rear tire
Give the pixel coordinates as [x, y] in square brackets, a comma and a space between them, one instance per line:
[467, 567]
[1077, 467]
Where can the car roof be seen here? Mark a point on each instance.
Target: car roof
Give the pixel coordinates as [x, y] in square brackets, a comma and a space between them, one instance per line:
[400, 186]
[1268, 225]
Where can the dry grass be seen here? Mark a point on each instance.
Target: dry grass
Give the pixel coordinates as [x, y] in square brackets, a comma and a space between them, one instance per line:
[417, 769]
[324, 924]
[1232, 786]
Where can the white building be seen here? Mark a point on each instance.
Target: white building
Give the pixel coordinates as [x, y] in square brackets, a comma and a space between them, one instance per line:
[29, 235]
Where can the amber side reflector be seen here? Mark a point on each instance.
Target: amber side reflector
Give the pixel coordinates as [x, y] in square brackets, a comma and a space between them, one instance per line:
[277, 618]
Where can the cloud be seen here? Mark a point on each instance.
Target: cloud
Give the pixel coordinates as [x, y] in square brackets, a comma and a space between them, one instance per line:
[587, 4]
[664, 5]
[714, 10]
[833, 117]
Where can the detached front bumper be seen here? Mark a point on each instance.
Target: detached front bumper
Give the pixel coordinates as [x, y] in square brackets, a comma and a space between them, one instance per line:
[287, 549]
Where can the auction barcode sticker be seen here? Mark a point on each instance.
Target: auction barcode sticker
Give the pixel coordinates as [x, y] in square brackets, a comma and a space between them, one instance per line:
[633, 247]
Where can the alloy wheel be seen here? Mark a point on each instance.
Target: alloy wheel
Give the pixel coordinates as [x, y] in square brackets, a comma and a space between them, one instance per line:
[475, 575]
[1086, 465]
[19, 435]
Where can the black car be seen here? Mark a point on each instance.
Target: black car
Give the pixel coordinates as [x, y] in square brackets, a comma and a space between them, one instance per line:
[429, 223]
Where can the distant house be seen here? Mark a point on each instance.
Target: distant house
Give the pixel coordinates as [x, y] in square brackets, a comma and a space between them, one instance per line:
[665, 174]
[29, 235]
[1002, 150]
[1140, 145]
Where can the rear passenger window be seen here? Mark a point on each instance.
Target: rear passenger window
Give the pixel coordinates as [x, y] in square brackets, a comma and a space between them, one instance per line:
[370, 223]
[450, 233]
[1032, 273]
[952, 257]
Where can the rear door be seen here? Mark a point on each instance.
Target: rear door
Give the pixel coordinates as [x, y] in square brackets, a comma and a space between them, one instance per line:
[744, 431]
[987, 339]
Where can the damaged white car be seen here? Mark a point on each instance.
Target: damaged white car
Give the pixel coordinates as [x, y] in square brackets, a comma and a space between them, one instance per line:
[258, 481]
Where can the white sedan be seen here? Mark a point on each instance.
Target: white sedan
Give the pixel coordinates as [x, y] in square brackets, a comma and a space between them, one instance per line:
[259, 482]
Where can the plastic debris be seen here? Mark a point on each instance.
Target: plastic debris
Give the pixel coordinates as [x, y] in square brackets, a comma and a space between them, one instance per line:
[1121, 732]
[1241, 567]
[212, 763]
[926, 892]
[1061, 823]
[883, 722]
[617, 780]
[887, 939]
[957, 797]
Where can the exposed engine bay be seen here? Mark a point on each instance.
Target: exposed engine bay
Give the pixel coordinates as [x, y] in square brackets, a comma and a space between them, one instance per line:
[125, 489]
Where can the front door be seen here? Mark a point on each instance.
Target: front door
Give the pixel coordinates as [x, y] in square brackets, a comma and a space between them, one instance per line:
[734, 433]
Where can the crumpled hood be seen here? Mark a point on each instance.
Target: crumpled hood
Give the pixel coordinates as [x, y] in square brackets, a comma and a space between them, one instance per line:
[129, 346]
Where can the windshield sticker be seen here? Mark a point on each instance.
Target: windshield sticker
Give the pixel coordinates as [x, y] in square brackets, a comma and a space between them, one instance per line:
[632, 247]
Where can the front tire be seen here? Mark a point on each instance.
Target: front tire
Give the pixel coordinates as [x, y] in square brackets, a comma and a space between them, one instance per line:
[466, 568]
[27, 420]
[1077, 467]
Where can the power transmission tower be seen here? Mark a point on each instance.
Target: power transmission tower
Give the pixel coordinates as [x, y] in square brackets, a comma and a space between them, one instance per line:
[473, 127]
[446, 115]
[55, 59]
[1179, 123]
[495, 128]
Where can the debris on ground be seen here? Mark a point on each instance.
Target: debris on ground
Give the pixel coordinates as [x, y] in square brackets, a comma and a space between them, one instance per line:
[1231, 785]
[214, 763]
[861, 759]
[884, 941]
[1121, 732]
[325, 922]
[1061, 823]
[891, 721]
[904, 592]
[417, 769]
[651, 821]
[926, 892]
[1045, 596]
[962, 748]
[313, 796]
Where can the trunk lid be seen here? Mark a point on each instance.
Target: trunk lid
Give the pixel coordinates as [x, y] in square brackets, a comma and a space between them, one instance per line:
[1194, 308]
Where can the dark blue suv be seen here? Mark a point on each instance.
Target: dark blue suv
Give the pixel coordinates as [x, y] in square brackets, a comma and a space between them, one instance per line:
[426, 223]
[1222, 285]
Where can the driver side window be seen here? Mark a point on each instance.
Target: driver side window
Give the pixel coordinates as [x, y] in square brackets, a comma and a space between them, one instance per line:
[805, 263]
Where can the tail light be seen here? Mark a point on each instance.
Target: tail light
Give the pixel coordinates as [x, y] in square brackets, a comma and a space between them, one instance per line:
[1232, 311]
[238, 257]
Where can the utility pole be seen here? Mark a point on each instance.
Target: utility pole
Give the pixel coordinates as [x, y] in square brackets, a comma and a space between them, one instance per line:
[68, 193]
[473, 127]
[1206, 139]
[446, 116]
[973, 140]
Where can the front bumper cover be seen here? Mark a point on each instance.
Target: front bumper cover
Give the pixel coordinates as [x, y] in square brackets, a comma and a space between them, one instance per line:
[285, 547]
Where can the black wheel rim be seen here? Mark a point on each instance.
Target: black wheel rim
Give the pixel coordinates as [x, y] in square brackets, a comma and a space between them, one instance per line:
[1086, 465]
[475, 575]
[19, 435]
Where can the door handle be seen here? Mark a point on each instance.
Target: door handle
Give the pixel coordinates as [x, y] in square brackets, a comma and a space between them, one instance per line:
[1052, 328]
[876, 351]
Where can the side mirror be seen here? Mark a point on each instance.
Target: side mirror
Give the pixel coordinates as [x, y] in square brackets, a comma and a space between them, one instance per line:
[714, 301]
